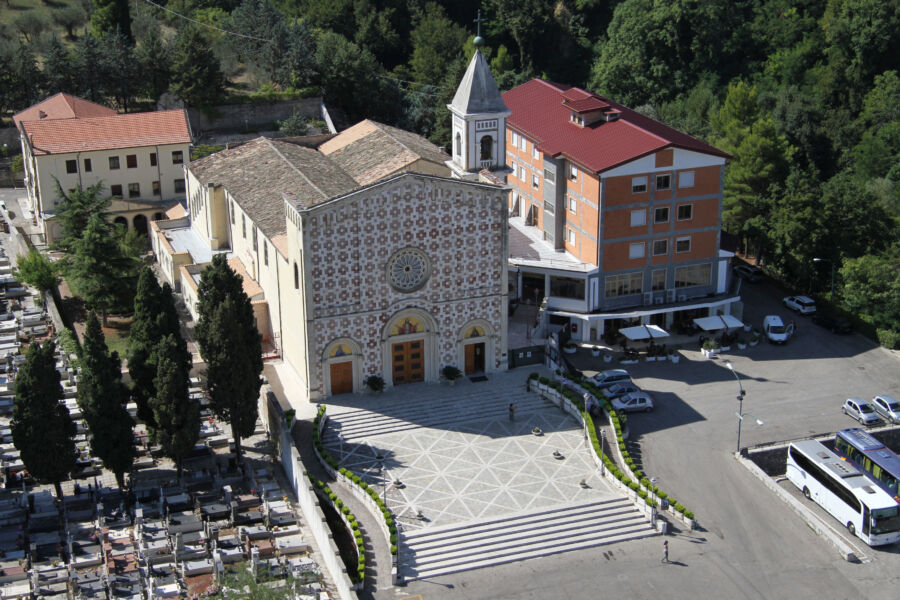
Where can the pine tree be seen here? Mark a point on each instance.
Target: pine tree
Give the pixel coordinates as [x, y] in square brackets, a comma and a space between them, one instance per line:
[102, 397]
[90, 74]
[42, 430]
[73, 211]
[102, 274]
[28, 78]
[154, 318]
[197, 77]
[177, 416]
[154, 60]
[121, 68]
[231, 346]
[58, 68]
[110, 15]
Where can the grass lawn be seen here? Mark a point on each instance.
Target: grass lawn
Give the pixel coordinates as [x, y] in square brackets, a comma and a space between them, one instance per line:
[117, 335]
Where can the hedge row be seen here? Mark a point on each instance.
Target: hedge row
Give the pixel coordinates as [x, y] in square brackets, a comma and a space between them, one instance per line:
[356, 479]
[618, 422]
[338, 504]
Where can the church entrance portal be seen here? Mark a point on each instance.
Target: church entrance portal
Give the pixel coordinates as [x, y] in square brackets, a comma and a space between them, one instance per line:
[341, 378]
[475, 358]
[408, 362]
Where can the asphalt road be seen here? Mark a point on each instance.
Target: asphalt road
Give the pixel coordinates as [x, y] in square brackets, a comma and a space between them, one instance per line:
[750, 544]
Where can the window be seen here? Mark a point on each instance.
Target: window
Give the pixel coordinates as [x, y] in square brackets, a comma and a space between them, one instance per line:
[296, 277]
[156, 191]
[685, 212]
[515, 139]
[153, 159]
[638, 218]
[134, 190]
[113, 163]
[624, 284]
[638, 185]
[693, 275]
[661, 214]
[523, 143]
[487, 147]
[573, 172]
[179, 186]
[131, 161]
[255, 239]
[535, 154]
[232, 211]
[512, 165]
[570, 235]
[567, 287]
[660, 247]
[686, 179]
[244, 226]
[458, 147]
[522, 173]
[658, 280]
[72, 166]
[266, 254]
[116, 190]
[535, 182]
[663, 182]
[683, 244]
[549, 208]
[87, 165]
[636, 250]
[550, 176]
[573, 205]
[177, 157]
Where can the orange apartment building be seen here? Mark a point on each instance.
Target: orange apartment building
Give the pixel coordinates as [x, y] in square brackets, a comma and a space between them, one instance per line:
[615, 218]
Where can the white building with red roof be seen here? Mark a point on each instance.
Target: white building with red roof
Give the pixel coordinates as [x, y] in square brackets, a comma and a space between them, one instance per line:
[138, 157]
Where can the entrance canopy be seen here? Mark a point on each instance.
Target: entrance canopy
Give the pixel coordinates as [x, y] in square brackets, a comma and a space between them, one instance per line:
[718, 322]
[643, 332]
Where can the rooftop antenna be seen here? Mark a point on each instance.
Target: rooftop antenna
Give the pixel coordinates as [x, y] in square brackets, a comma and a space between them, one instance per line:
[478, 41]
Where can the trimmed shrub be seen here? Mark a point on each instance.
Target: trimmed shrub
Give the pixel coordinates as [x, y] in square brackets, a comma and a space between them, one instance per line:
[662, 495]
[393, 539]
[339, 503]
[642, 494]
[533, 376]
[689, 514]
[679, 508]
[544, 380]
[394, 550]
[346, 511]
[634, 485]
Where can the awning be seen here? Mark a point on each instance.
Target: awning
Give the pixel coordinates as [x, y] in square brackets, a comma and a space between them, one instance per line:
[643, 332]
[718, 322]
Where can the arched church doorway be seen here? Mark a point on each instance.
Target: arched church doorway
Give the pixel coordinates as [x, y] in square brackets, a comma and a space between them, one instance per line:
[340, 366]
[409, 346]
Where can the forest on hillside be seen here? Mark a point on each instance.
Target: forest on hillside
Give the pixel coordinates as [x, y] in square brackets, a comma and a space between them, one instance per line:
[804, 94]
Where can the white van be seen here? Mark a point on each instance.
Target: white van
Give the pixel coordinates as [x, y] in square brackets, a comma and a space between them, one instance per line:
[776, 331]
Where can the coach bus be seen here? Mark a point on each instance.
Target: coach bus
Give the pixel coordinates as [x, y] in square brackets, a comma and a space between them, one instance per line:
[841, 489]
[870, 456]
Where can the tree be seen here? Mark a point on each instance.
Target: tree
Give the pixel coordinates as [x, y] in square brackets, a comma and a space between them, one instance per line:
[872, 286]
[525, 20]
[42, 430]
[436, 41]
[88, 60]
[73, 211]
[196, 76]
[58, 68]
[120, 66]
[266, 35]
[297, 68]
[27, 77]
[102, 397]
[296, 124]
[36, 270]
[30, 24]
[231, 346]
[69, 17]
[109, 16]
[154, 62]
[176, 414]
[155, 317]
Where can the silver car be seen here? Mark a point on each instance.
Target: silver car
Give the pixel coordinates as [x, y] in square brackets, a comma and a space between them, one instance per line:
[887, 407]
[860, 410]
[634, 402]
[620, 389]
[611, 376]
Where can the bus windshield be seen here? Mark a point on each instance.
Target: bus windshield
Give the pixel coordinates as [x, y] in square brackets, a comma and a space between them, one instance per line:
[885, 520]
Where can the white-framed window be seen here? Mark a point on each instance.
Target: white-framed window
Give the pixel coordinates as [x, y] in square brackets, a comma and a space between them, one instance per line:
[522, 173]
[573, 172]
[571, 235]
[638, 218]
[514, 139]
[636, 250]
[686, 179]
[685, 212]
[573, 205]
[683, 244]
[638, 185]
[523, 144]
[535, 181]
[535, 154]
[660, 247]
[661, 214]
[664, 182]
[512, 165]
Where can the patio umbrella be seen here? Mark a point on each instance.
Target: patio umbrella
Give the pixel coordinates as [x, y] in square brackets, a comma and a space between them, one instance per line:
[718, 322]
[643, 332]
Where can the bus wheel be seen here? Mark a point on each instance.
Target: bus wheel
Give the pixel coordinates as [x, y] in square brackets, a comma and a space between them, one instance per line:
[806, 492]
[851, 528]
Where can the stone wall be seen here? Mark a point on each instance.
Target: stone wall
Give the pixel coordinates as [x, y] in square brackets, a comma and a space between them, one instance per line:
[242, 117]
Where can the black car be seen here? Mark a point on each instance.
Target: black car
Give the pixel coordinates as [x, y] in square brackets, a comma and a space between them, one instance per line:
[749, 273]
[833, 324]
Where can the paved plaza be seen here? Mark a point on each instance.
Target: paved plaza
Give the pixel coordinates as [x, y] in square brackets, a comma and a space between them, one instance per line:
[457, 455]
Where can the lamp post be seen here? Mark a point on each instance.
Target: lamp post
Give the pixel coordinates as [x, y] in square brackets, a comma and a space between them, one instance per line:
[587, 414]
[602, 438]
[818, 260]
[740, 399]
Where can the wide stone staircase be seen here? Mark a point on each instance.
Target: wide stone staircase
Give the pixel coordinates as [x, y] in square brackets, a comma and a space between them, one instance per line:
[439, 551]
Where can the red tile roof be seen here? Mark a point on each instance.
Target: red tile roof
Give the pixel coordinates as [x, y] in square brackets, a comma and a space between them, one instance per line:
[132, 130]
[539, 112]
[62, 106]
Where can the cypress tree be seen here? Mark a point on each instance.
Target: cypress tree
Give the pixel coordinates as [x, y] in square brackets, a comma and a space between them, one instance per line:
[110, 15]
[102, 397]
[42, 430]
[231, 346]
[177, 416]
[196, 75]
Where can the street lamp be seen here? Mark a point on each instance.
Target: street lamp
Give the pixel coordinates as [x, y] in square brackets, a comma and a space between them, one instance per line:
[740, 399]
[818, 260]
[602, 438]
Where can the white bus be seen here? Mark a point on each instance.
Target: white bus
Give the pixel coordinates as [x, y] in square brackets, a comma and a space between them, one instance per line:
[840, 488]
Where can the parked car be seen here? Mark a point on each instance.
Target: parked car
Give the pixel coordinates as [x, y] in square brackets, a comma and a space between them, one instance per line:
[607, 378]
[802, 304]
[620, 389]
[749, 273]
[633, 402]
[860, 410]
[887, 407]
[775, 329]
[833, 324]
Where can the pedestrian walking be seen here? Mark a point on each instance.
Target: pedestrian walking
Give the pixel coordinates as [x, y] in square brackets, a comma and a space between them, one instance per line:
[512, 412]
[665, 557]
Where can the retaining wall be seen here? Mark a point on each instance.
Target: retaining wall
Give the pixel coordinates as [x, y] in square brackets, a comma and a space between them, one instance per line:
[242, 117]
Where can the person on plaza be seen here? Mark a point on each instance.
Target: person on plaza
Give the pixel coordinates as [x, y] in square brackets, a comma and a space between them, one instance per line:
[665, 557]
[512, 412]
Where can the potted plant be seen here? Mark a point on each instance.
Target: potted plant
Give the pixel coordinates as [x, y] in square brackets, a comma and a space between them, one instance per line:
[674, 357]
[754, 338]
[375, 383]
[570, 347]
[607, 358]
[536, 431]
[741, 343]
[595, 351]
[450, 374]
[710, 348]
